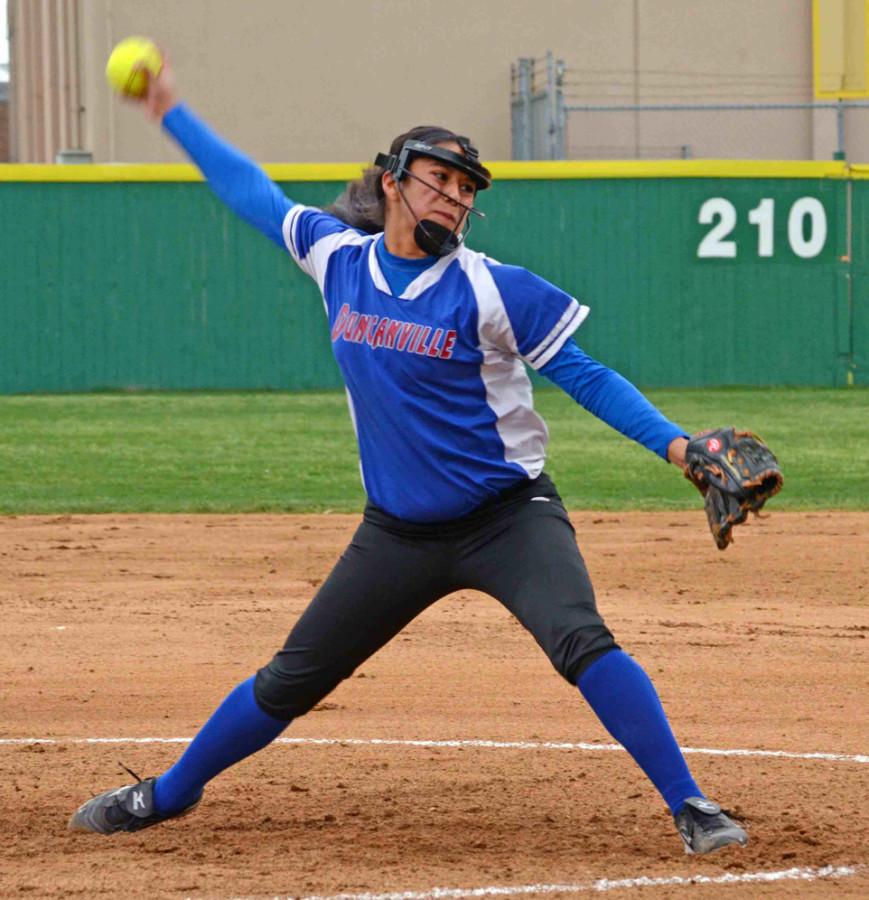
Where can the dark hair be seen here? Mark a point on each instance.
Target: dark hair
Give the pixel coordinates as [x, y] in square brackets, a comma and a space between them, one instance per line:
[362, 203]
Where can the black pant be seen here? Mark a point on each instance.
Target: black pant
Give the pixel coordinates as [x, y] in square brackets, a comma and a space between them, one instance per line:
[520, 548]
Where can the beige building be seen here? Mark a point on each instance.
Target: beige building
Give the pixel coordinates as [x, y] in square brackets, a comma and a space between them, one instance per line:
[4, 122]
[335, 80]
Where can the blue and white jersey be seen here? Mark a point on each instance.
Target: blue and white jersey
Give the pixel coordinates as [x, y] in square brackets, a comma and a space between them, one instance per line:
[440, 400]
[439, 396]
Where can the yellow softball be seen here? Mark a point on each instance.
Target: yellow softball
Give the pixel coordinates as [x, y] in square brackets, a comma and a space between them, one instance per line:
[130, 63]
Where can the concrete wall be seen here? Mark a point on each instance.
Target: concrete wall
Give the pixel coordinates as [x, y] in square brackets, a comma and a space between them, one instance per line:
[334, 80]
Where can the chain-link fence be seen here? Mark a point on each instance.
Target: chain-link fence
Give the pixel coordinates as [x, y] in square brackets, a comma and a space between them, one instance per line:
[537, 108]
[548, 125]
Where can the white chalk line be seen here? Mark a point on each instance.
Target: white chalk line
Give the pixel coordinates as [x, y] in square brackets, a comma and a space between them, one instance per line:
[601, 885]
[480, 744]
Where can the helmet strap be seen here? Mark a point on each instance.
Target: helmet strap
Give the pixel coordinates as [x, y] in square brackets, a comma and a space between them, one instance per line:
[431, 237]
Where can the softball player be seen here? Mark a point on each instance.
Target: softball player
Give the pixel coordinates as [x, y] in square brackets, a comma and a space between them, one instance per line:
[430, 338]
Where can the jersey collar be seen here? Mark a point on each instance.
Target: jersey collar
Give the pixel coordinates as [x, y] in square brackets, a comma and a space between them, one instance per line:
[420, 284]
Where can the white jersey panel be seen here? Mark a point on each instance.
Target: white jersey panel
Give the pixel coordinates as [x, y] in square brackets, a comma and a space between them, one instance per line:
[508, 388]
[314, 260]
[352, 409]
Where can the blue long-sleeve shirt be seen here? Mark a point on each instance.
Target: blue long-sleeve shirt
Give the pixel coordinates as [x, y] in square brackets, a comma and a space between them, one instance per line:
[238, 181]
[611, 398]
[432, 445]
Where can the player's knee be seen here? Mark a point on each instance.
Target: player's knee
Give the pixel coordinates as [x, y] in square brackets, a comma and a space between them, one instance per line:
[287, 692]
[581, 648]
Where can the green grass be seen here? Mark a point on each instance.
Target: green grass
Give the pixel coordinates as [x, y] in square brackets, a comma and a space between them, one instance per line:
[245, 452]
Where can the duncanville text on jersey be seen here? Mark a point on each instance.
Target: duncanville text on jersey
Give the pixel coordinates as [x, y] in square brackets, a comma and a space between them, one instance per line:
[393, 334]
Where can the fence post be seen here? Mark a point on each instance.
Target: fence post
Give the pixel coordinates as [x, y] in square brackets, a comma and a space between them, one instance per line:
[551, 109]
[840, 131]
[560, 112]
[520, 75]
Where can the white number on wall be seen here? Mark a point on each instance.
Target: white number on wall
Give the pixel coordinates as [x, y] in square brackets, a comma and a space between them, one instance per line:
[762, 216]
[807, 228]
[807, 207]
[714, 245]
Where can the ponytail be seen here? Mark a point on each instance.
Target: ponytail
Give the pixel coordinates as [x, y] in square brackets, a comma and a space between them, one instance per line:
[361, 204]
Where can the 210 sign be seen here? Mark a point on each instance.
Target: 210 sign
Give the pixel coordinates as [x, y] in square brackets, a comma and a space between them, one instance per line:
[807, 228]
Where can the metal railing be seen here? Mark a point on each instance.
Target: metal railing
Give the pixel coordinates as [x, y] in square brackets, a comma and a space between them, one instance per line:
[547, 125]
[537, 108]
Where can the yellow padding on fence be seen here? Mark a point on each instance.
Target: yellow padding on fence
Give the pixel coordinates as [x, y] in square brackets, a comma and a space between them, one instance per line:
[513, 171]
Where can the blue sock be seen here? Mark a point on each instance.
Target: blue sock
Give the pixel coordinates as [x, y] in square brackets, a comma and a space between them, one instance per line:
[626, 701]
[236, 729]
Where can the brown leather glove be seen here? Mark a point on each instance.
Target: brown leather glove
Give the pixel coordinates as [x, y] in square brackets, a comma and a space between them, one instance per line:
[736, 473]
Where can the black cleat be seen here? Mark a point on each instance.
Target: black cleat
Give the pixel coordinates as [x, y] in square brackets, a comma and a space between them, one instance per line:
[704, 827]
[129, 808]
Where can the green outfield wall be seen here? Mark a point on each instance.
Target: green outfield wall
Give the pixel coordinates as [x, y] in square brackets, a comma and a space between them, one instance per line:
[697, 273]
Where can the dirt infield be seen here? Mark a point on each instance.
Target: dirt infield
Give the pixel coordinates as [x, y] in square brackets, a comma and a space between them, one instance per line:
[136, 626]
